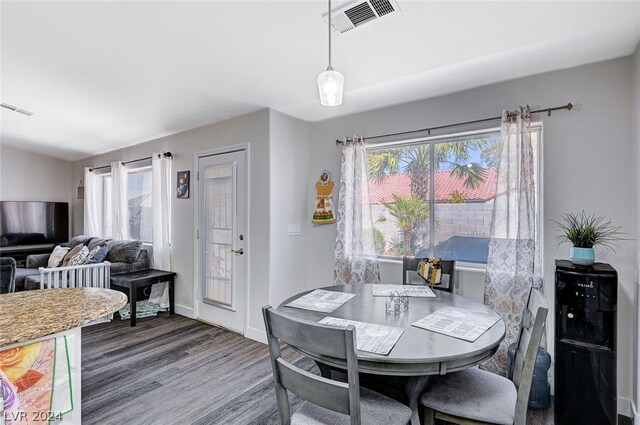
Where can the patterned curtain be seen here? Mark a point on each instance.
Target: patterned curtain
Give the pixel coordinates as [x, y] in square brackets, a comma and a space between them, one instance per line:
[513, 266]
[356, 259]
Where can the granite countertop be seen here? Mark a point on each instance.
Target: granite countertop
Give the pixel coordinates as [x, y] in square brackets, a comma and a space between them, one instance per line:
[28, 315]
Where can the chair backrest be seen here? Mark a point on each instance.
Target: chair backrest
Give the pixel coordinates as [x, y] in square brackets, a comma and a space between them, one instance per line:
[339, 343]
[7, 275]
[531, 331]
[410, 264]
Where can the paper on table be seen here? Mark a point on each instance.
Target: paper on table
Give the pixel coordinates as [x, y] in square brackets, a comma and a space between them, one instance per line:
[321, 300]
[458, 322]
[383, 290]
[370, 337]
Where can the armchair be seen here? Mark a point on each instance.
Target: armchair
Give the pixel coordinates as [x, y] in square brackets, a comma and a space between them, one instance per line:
[7, 275]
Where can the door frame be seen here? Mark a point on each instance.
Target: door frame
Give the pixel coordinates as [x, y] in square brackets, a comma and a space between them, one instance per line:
[196, 223]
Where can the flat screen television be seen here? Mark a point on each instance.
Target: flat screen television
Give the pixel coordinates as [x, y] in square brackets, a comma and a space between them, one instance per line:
[33, 223]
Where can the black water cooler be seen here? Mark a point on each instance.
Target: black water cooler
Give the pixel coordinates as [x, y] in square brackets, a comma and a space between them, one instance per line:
[585, 344]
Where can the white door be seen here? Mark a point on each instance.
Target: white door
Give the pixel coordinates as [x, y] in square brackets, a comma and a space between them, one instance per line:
[222, 239]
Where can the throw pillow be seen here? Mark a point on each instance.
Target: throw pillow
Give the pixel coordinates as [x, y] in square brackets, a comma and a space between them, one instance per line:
[70, 254]
[94, 242]
[80, 257]
[124, 251]
[56, 257]
[430, 269]
[97, 254]
[78, 240]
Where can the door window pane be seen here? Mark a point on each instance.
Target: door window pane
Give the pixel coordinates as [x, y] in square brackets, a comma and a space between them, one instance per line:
[218, 201]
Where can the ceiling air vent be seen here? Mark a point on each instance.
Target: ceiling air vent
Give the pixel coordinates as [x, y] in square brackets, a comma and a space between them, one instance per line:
[16, 109]
[358, 13]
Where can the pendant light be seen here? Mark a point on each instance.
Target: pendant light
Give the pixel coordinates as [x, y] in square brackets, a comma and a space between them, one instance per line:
[330, 82]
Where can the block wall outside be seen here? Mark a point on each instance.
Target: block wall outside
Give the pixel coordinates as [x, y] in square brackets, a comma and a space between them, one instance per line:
[463, 219]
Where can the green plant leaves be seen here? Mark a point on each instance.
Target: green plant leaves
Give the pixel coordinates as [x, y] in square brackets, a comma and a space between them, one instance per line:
[586, 231]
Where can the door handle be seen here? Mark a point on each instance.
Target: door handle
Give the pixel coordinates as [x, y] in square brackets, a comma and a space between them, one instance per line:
[238, 251]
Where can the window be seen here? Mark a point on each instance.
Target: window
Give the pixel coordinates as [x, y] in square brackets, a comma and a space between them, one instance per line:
[434, 197]
[139, 201]
[139, 204]
[107, 228]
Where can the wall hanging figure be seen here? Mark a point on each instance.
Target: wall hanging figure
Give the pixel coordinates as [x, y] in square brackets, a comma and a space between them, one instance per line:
[324, 205]
[182, 190]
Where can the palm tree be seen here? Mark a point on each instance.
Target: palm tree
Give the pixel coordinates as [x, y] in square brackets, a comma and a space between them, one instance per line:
[415, 160]
[411, 215]
[379, 241]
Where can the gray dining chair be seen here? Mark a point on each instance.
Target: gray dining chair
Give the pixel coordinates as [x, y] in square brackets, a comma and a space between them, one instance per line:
[327, 401]
[475, 396]
[410, 266]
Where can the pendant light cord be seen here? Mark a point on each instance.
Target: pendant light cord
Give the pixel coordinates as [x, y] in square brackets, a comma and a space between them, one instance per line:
[330, 67]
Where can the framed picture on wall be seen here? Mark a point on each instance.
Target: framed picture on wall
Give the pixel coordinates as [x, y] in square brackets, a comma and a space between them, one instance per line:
[182, 191]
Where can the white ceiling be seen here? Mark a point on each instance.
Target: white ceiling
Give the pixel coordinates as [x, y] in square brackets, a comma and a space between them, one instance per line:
[104, 75]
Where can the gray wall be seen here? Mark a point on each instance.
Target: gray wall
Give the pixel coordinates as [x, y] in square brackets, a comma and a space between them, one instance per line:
[29, 176]
[587, 164]
[252, 128]
[290, 197]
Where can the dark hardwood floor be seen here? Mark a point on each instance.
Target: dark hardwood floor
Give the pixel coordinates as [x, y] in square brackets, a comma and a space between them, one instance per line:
[174, 370]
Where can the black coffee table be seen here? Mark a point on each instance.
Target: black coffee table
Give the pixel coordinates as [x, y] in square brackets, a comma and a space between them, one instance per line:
[140, 279]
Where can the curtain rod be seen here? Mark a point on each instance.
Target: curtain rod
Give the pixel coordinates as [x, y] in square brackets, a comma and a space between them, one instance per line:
[166, 155]
[568, 107]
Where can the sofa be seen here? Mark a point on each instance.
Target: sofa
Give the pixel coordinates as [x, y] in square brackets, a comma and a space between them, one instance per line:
[125, 256]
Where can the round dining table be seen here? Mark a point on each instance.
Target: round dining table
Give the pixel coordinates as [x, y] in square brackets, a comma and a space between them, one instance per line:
[419, 353]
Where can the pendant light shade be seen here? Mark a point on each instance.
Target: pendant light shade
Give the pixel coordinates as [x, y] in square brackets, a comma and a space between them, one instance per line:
[330, 86]
[330, 82]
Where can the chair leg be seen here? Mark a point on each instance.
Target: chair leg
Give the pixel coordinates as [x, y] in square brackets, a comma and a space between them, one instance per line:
[429, 416]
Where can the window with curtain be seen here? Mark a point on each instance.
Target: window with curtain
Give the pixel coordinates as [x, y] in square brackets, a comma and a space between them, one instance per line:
[107, 226]
[139, 204]
[434, 196]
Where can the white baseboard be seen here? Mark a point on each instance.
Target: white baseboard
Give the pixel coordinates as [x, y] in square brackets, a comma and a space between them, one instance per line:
[184, 311]
[625, 406]
[256, 334]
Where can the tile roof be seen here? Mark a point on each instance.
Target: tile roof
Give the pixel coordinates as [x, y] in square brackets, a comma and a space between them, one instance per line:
[445, 184]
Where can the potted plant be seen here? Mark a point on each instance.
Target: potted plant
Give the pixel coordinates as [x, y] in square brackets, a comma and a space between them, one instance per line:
[584, 232]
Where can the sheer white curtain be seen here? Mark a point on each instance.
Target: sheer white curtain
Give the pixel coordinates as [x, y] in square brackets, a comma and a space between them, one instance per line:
[161, 223]
[513, 266]
[119, 201]
[356, 259]
[93, 225]
[161, 210]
